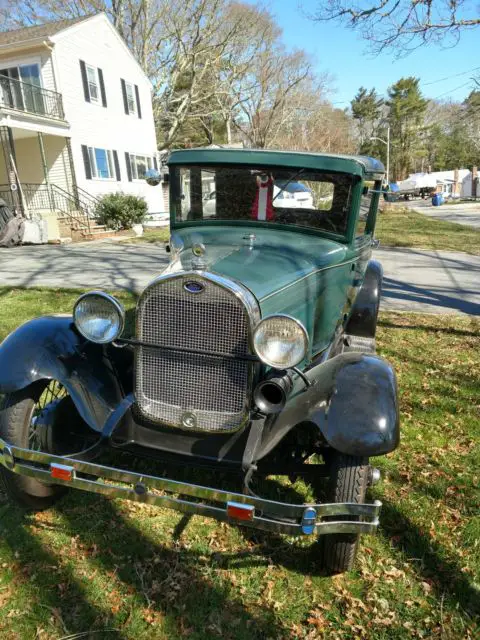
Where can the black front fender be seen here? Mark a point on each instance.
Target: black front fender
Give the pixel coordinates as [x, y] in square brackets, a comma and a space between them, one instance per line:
[363, 317]
[50, 348]
[353, 402]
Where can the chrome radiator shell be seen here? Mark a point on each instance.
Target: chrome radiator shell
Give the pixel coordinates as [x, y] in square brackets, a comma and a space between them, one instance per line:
[207, 391]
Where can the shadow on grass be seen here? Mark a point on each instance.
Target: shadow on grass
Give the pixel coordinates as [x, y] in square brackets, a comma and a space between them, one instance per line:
[443, 572]
[167, 580]
[433, 329]
[54, 585]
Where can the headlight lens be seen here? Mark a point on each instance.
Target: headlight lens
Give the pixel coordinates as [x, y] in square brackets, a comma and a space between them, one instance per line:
[99, 317]
[280, 341]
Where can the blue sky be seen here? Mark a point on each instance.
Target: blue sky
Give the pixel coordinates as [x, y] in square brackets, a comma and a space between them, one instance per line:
[343, 54]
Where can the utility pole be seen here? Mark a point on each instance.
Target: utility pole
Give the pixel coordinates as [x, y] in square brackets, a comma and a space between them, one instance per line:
[386, 142]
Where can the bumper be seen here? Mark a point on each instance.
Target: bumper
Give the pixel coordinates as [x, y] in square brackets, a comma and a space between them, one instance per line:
[268, 515]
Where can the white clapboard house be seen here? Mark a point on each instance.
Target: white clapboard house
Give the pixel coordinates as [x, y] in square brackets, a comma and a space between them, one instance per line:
[76, 122]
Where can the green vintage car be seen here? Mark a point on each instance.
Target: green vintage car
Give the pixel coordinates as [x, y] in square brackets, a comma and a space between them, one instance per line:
[252, 353]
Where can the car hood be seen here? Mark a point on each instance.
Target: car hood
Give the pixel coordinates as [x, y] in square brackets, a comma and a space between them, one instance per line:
[270, 261]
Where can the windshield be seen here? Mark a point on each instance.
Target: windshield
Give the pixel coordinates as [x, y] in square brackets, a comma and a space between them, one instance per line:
[300, 197]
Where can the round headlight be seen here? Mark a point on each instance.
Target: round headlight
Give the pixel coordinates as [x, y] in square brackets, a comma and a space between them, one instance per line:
[99, 317]
[280, 341]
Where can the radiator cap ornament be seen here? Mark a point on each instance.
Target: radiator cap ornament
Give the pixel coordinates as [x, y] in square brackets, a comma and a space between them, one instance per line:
[193, 286]
[198, 258]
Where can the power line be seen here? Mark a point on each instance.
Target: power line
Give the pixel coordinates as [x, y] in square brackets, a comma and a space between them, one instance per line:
[457, 75]
[451, 91]
[427, 84]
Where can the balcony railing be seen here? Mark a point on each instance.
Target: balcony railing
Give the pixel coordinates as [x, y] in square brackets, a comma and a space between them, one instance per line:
[30, 98]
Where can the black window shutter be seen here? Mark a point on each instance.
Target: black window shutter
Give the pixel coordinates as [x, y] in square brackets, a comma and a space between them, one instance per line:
[83, 70]
[117, 166]
[155, 163]
[86, 162]
[129, 168]
[124, 93]
[137, 95]
[102, 87]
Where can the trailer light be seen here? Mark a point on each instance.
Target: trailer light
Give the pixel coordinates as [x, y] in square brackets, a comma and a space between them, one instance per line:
[62, 472]
[238, 511]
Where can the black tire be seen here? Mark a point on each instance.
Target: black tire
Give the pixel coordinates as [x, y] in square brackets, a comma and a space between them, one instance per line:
[348, 481]
[15, 427]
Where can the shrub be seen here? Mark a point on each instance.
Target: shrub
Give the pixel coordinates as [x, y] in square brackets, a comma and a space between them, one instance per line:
[121, 210]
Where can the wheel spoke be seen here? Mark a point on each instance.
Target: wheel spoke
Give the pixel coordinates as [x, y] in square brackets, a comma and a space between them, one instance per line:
[53, 391]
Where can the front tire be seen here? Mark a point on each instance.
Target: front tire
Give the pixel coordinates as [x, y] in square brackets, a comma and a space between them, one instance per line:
[16, 427]
[348, 481]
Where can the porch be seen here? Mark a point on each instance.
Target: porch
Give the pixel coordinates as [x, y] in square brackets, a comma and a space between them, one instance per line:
[37, 180]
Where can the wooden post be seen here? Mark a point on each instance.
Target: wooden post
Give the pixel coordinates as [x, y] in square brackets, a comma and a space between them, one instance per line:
[474, 182]
[73, 176]
[45, 171]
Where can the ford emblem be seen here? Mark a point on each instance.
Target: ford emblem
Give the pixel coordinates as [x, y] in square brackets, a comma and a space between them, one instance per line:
[193, 287]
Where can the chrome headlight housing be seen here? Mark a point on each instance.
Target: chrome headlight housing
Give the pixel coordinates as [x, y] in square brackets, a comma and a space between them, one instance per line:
[99, 317]
[280, 341]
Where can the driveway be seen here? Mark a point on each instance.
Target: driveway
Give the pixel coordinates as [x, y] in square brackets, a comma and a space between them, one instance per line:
[467, 213]
[415, 280]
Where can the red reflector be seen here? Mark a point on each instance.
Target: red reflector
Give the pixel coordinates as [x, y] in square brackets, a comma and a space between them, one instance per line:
[61, 472]
[240, 511]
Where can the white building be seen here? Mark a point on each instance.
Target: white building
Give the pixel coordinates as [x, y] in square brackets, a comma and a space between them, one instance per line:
[76, 121]
[454, 183]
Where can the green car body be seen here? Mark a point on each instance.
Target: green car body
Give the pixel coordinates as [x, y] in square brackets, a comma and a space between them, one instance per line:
[312, 276]
[253, 352]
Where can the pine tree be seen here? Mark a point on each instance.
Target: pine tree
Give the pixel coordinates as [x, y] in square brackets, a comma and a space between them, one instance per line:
[366, 111]
[406, 107]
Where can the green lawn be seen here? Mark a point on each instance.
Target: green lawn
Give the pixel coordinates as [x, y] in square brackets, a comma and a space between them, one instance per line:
[399, 226]
[152, 235]
[113, 569]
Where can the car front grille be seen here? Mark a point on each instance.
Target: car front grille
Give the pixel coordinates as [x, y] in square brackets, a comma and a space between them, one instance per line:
[205, 391]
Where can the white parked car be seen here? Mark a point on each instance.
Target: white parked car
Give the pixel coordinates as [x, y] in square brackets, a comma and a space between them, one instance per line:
[293, 195]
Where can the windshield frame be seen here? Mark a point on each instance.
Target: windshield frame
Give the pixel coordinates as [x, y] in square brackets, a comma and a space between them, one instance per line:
[344, 238]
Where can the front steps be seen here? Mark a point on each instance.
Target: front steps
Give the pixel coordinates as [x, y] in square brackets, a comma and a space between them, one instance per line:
[79, 229]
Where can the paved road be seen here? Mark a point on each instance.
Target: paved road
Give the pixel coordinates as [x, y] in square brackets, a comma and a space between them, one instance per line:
[415, 280]
[466, 213]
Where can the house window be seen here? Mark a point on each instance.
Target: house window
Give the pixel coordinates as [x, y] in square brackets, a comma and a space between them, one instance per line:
[139, 165]
[20, 88]
[130, 93]
[93, 84]
[101, 163]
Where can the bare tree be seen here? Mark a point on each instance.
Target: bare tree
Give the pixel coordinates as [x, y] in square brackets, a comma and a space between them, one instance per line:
[275, 79]
[403, 24]
[317, 126]
[211, 63]
[252, 32]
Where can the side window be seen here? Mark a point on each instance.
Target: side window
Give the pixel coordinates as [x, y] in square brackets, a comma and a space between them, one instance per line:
[130, 91]
[198, 194]
[101, 163]
[365, 206]
[139, 165]
[93, 84]
[92, 80]
[131, 98]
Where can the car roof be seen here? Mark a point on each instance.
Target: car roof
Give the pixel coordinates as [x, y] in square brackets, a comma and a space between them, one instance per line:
[354, 164]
